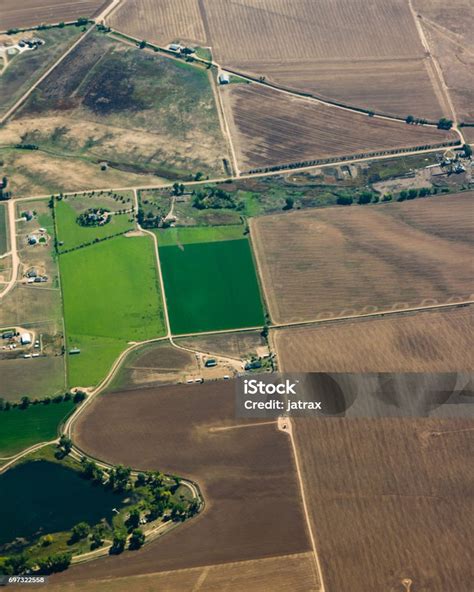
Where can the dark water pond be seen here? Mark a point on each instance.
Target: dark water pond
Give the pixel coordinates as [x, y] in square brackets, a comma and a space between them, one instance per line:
[42, 497]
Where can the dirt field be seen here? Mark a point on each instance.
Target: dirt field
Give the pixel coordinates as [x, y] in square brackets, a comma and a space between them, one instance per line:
[417, 342]
[160, 21]
[246, 475]
[452, 43]
[361, 259]
[305, 46]
[272, 128]
[278, 574]
[388, 501]
[29, 13]
[235, 345]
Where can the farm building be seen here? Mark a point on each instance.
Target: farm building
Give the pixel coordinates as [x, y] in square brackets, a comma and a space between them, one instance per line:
[224, 78]
[25, 339]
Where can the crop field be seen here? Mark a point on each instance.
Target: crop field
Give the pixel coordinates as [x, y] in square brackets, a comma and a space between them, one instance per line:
[3, 229]
[21, 428]
[72, 235]
[305, 46]
[39, 377]
[336, 262]
[160, 21]
[195, 234]
[417, 342]
[401, 484]
[115, 107]
[119, 302]
[272, 128]
[245, 471]
[29, 13]
[24, 69]
[228, 267]
[279, 574]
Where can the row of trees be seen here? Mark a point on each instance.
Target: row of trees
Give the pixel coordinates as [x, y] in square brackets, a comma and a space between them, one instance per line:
[25, 402]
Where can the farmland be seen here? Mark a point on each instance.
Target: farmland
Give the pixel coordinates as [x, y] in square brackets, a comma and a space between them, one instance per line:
[21, 428]
[350, 261]
[71, 234]
[191, 235]
[227, 266]
[112, 108]
[26, 68]
[272, 128]
[279, 574]
[376, 67]
[33, 12]
[39, 377]
[248, 514]
[235, 345]
[399, 484]
[418, 342]
[119, 302]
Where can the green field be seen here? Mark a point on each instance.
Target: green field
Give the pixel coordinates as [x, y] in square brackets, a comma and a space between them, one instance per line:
[211, 286]
[21, 428]
[111, 296]
[73, 235]
[198, 234]
[3, 229]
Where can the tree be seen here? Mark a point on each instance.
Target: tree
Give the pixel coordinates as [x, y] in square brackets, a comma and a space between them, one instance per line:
[403, 195]
[79, 532]
[142, 44]
[16, 565]
[82, 21]
[141, 480]
[133, 520]
[445, 124]
[47, 540]
[424, 191]
[119, 477]
[467, 150]
[97, 536]
[54, 563]
[91, 471]
[289, 203]
[412, 193]
[365, 197]
[344, 200]
[410, 119]
[24, 402]
[79, 396]
[119, 542]
[65, 444]
[137, 539]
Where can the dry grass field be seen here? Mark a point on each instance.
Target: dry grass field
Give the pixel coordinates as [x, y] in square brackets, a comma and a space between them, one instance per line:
[29, 13]
[418, 342]
[275, 574]
[246, 474]
[305, 46]
[235, 345]
[388, 501]
[159, 20]
[361, 259]
[274, 128]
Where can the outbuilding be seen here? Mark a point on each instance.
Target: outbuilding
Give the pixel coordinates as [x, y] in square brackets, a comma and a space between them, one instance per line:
[25, 339]
[224, 78]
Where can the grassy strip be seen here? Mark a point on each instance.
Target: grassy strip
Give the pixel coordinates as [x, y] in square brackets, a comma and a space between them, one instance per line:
[198, 234]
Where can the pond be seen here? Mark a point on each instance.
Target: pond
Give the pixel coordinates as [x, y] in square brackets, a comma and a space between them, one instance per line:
[40, 497]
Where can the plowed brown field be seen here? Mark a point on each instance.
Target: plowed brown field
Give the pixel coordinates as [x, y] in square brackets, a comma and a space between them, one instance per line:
[418, 342]
[247, 476]
[274, 128]
[29, 13]
[388, 500]
[345, 261]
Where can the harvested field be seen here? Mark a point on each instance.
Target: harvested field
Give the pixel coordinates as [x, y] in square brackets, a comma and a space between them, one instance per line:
[160, 21]
[356, 260]
[417, 342]
[272, 128]
[305, 46]
[30, 13]
[35, 378]
[388, 500]
[246, 475]
[278, 574]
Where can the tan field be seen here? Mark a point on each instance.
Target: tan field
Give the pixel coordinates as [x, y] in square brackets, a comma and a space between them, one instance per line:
[273, 128]
[29, 13]
[278, 574]
[244, 468]
[388, 501]
[416, 342]
[235, 345]
[346, 261]
[159, 21]
[305, 46]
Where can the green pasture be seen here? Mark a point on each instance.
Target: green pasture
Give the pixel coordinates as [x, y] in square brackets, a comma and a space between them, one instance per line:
[111, 296]
[211, 286]
[73, 235]
[21, 428]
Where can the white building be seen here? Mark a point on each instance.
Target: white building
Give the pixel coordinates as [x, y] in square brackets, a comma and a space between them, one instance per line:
[224, 78]
[25, 339]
